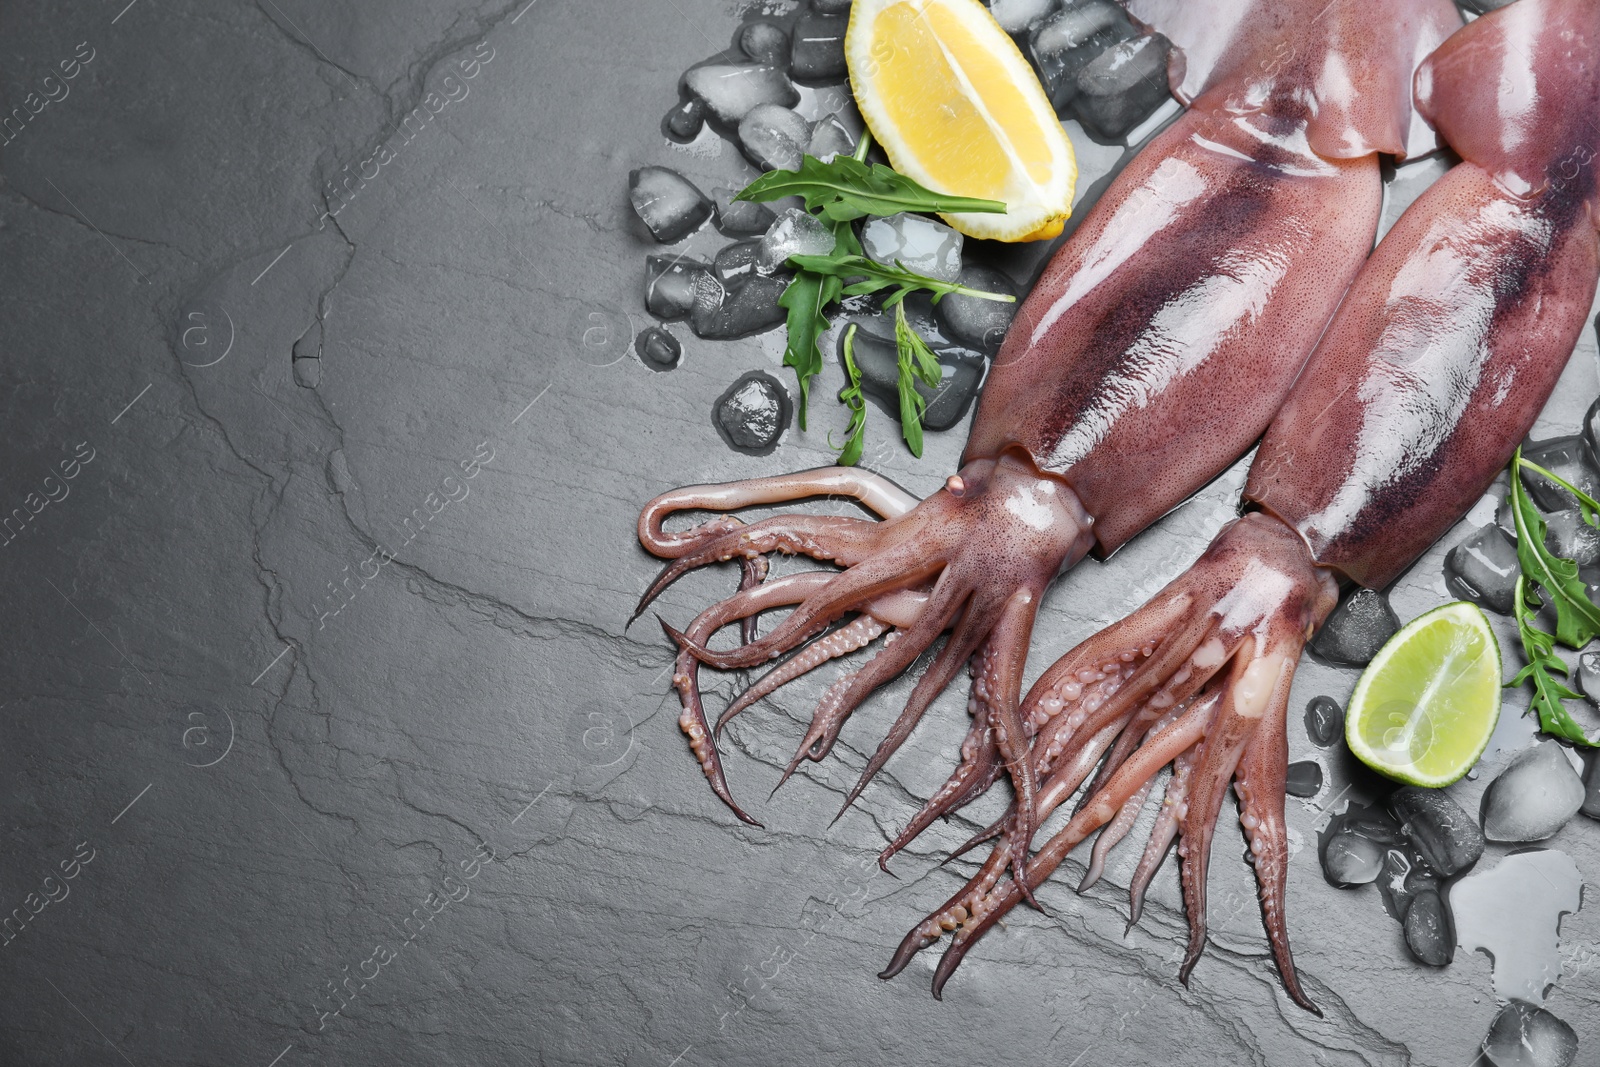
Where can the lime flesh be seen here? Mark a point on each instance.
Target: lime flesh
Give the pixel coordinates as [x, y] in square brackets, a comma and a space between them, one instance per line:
[1425, 706]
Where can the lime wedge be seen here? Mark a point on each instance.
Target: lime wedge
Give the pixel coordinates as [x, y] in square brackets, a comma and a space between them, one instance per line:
[1425, 706]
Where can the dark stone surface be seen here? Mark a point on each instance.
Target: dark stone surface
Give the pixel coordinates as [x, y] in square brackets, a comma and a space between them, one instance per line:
[331, 641]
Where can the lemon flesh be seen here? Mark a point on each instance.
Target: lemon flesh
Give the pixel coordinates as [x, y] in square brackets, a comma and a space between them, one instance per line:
[1425, 706]
[956, 107]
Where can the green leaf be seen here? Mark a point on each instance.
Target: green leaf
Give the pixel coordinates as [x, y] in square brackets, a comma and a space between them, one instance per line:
[1547, 577]
[1538, 647]
[916, 361]
[1577, 617]
[848, 188]
[869, 276]
[851, 397]
[806, 298]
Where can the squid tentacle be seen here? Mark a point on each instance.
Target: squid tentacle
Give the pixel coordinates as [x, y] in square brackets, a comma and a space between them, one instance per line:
[847, 591]
[1113, 834]
[1162, 748]
[745, 604]
[1173, 805]
[831, 538]
[874, 491]
[972, 631]
[1260, 786]
[853, 636]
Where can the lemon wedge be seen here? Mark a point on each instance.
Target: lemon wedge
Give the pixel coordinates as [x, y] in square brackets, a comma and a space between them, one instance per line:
[956, 107]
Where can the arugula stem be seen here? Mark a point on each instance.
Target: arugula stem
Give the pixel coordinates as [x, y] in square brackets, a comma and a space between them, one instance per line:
[863, 146]
[999, 298]
[1583, 498]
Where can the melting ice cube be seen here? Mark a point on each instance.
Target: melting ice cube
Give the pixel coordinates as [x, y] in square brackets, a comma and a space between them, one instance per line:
[765, 42]
[795, 233]
[916, 242]
[1525, 1036]
[1019, 16]
[667, 202]
[1358, 627]
[774, 137]
[829, 138]
[817, 51]
[1123, 85]
[730, 90]
[1533, 797]
[1484, 569]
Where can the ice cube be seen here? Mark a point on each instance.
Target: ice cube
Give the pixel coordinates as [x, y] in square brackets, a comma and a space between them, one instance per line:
[751, 308]
[1358, 627]
[753, 413]
[1402, 879]
[1428, 931]
[1563, 456]
[975, 322]
[730, 90]
[1353, 845]
[817, 51]
[1122, 86]
[1512, 911]
[1533, 797]
[667, 202]
[743, 218]
[831, 7]
[1019, 16]
[1303, 779]
[1569, 537]
[736, 263]
[1484, 569]
[1446, 837]
[765, 42]
[774, 137]
[876, 357]
[795, 233]
[685, 121]
[1324, 721]
[1071, 39]
[1349, 860]
[916, 242]
[658, 348]
[669, 285]
[1525, 1036]
[830, 137]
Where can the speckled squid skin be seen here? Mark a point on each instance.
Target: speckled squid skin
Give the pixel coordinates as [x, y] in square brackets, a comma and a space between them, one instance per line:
[1165, 334]
[1451, 340]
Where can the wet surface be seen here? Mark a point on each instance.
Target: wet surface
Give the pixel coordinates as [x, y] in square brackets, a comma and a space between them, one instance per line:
[323, 722]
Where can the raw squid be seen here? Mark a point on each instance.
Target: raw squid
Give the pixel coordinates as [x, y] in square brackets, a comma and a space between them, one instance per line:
[1156, 347]
[1444, 351]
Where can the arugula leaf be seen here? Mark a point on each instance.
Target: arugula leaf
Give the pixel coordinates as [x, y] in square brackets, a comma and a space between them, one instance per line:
[806, 299]
[848, 188]
[851, 397]
[916, 362]
[1546, 576]
[1538, 648]
[807, 296]
[869, 276]
[1577, 617]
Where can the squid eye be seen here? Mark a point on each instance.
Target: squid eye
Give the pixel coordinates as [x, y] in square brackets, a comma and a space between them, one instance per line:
[955, 486]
